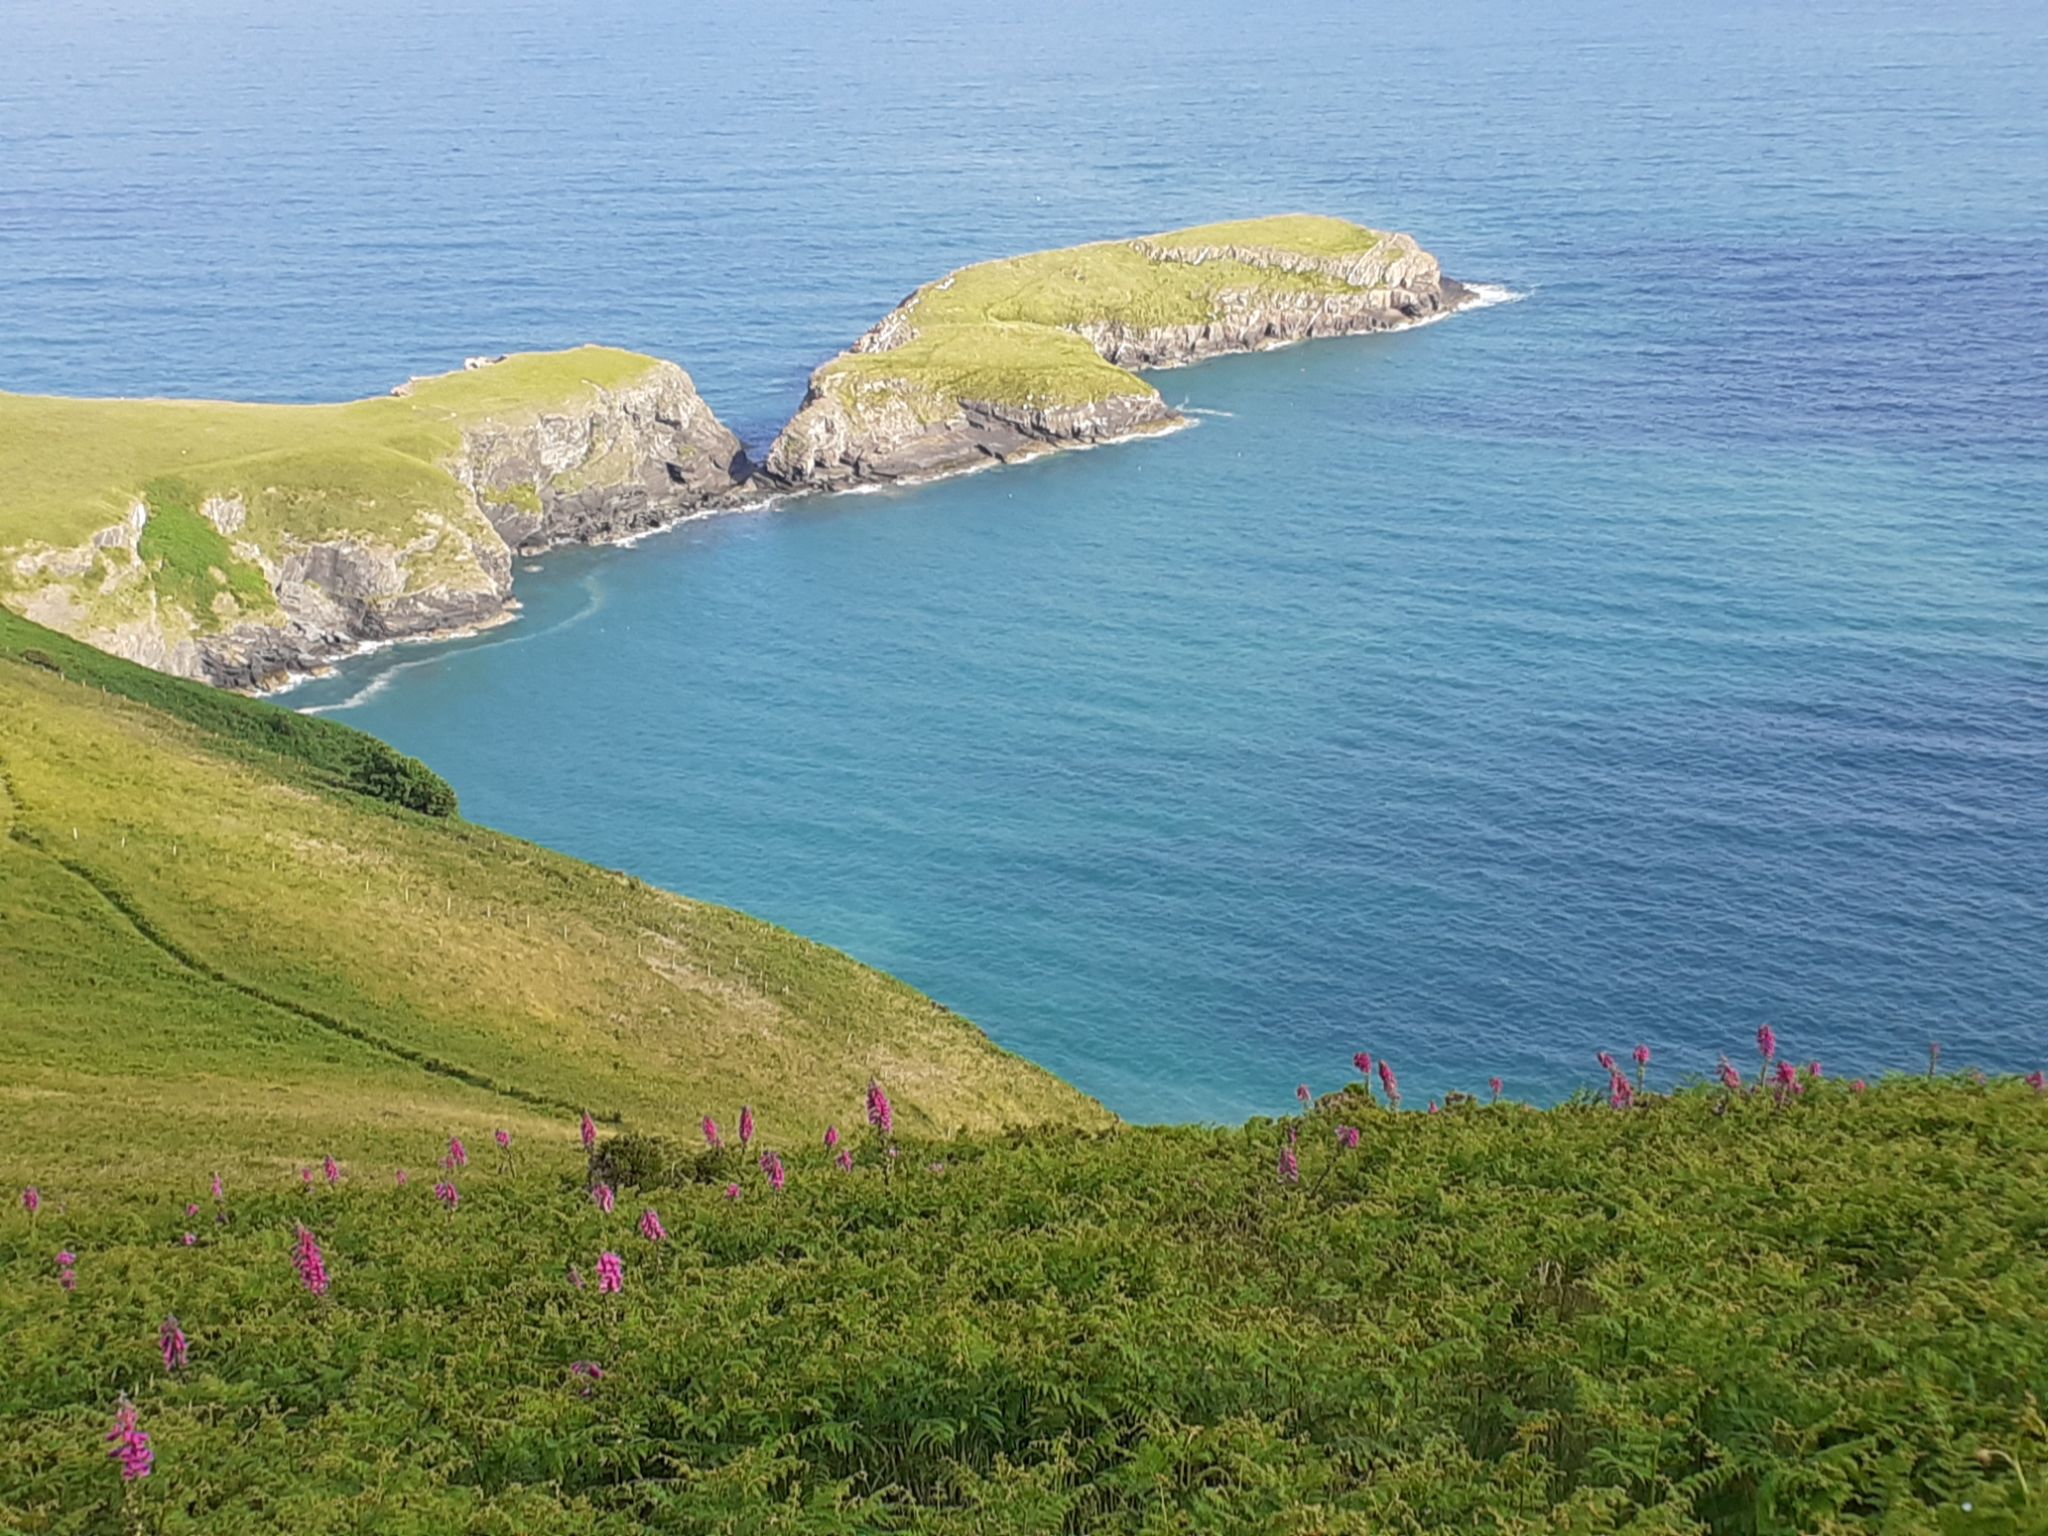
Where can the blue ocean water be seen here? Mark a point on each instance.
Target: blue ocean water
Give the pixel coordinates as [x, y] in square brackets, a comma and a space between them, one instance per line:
[1653, 657]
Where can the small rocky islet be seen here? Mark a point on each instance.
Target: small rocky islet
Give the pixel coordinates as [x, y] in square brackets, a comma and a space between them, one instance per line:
[242, 544]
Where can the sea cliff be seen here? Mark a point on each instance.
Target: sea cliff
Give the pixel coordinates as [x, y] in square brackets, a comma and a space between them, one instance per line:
[242, 543]
[1012, 358]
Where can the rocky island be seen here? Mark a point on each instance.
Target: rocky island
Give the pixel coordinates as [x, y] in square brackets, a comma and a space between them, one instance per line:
[1017, 357]
[240, 543]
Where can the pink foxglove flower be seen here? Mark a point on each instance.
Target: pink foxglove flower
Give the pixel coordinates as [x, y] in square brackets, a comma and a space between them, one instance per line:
[880, 1113]
[31, 1200]
[402, 1180]
[128, 1445]
[1347, 1137]
[1813, 1071]
[1621, 1092]
[1305, 1096]
[333, 1171]
[1766, 1041]
[1859, 1086]
[448, 1194]
[2036, 1080]
[611, 1273]
[732, 1191]
[651, 1227]
[503, 1138]
[1730, 1078]
[1495, 1085]
[711, 1134]
[1606, 1060]
[1642, 1055]
[67, 1270]
[192, 1209]
[219, 1189]
[1363, 1061]
[831, 1137]
[845, 1160]
[305, 1178]
[1433, 1107]
[1290, 1164]
[588, 1374]
[1390, 1083]
[310, 1262]
[604, 1196]
[746, 1125]
[172, 1340]
[190, 1239]
[588, 1131]
[458, 1155]
[772, 1166]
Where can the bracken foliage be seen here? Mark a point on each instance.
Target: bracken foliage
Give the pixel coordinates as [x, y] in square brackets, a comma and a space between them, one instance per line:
[1713, 1311]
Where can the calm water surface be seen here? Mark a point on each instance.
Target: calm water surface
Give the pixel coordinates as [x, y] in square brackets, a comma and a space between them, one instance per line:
[1647, 659]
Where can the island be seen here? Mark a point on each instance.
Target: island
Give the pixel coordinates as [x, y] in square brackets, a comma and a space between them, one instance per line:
[245, 544]
[1013, 358]
[241, 543]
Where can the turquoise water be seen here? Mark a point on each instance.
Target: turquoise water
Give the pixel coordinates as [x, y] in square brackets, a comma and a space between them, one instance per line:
[1652, 657]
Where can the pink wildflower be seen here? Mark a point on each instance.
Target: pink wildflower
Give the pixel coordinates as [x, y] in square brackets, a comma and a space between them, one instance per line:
[1432, 1107]
[190, 1239]
[746, 1124]
[611, 1273]
[772, 1166]
[1859, 1086]
[402, 1180]
[504, 1139]
[1813, 1071]
[588, 1131]
[604, 1197]
[1766, 1041]
[31, 1200]
[711, 1133]
[128, 1445]
[1642, 1055]
[1363, 1061]
[1494, 1085]
[172, 1339]
[1390, 1083]
[651, 1227]
[1621, 1092]
[845, 1160]
[310, 1262]
[1788, 1075]
[589, 1373]
[1347, 1137]
[458, 1155]
[880, 1115]
[219, 1190]
[831, 1137]
[732, 1191]
[2036, 1080]
[192, 1209]
[306, 1178]
[448, 1194]
[1606, 1060]
[67, 1270]
[1305, 1096]
[1290, 1164]
[332, 1169]
[1730, 1078]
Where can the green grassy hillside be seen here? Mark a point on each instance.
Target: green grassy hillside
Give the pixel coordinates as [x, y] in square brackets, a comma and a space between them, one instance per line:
[1706, 1313]
[214, 944]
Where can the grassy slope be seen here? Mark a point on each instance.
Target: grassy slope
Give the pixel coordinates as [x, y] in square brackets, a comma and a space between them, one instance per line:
[207, 950]
[1693, 1316]
[1002, 330]
[69, 467]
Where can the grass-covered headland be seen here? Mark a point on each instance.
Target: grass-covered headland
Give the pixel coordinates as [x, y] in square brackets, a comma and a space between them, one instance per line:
[1742, 1309]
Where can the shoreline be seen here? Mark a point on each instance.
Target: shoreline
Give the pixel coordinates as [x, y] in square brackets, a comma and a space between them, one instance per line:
[1473, 297]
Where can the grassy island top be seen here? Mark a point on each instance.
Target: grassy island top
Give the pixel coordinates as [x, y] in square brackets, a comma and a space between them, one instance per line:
[70, 467]
[1009, 330]
[220, 938]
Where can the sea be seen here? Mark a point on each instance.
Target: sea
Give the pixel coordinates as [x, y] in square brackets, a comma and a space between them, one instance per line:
[1655, 654]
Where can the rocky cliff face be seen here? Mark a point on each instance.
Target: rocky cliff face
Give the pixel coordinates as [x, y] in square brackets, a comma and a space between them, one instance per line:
[601, 462]
[636, 458]
[864, 425]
